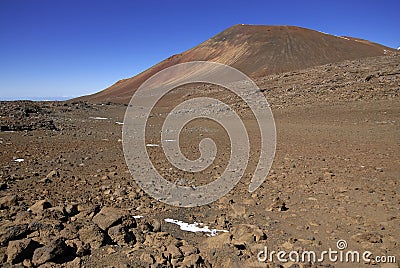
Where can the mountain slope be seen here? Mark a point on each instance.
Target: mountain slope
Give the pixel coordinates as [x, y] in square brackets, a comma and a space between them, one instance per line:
[257, 51]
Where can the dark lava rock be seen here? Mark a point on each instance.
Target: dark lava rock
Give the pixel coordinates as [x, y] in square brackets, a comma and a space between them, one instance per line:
[55, 249]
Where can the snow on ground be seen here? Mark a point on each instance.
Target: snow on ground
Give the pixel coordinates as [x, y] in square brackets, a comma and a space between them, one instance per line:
[195, 227]
[99, 118]
[152, 145]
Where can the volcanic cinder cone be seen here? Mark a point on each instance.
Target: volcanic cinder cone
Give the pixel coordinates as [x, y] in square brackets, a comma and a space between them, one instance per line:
[257, 51]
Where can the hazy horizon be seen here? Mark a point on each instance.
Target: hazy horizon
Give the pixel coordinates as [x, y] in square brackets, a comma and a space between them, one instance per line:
[39, 98]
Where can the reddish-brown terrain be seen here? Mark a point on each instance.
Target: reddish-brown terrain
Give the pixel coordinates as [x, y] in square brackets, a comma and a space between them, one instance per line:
[257, 51]
[67, 198]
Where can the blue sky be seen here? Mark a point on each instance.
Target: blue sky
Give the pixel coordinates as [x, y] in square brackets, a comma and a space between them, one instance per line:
[74, 47]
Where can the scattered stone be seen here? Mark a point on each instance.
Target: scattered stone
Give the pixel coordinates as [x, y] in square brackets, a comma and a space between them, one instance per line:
[82, 249]
[27, 263]
[92, 235]
[369, 77]
[3, 255]
[23, 216]
[55, 249]
[129, 222]
[120, 235]
[71, 209]
[139, 236]
[13, 232]
[328, 175]
[174, 252]
[379, 169]
[8, 201]
[217, 242]
[367, 237]
[287, 245]
[160, 260]
[107, 217]
[45, 226]
[238, 210]
[156, 224]
[246, 234]
[51, 175]
[79, 247]
[86, 212]
[188, 250]
[191, 261]
[342, 189]
[278, 205]
[77, 262]
[147, 258]
[39, 206]
[55, 213]
[45, 180]
[19, 250]
[105, 178]
[110, 250]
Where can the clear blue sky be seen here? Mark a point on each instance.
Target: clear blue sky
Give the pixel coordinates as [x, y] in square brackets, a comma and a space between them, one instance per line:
[76, 47]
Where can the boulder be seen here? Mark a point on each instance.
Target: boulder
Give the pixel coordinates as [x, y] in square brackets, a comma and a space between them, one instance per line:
[92, 235]
[19, 250]
[107, 217]
[55, 249]
[120, 235]
[8, 201]
[39, 206]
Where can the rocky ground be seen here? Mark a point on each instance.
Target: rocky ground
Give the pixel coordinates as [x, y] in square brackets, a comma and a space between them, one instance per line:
[67, 198]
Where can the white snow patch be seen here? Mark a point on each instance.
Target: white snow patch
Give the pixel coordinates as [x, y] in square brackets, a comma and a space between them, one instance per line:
[152, 145]
[334, 35]
[99, 118]
[195, 227]
[323, 32]
[19, 160]
[137, 217]
[119, 123]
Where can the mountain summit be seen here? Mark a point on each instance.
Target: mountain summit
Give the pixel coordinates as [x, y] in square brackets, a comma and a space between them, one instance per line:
[257, 51]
